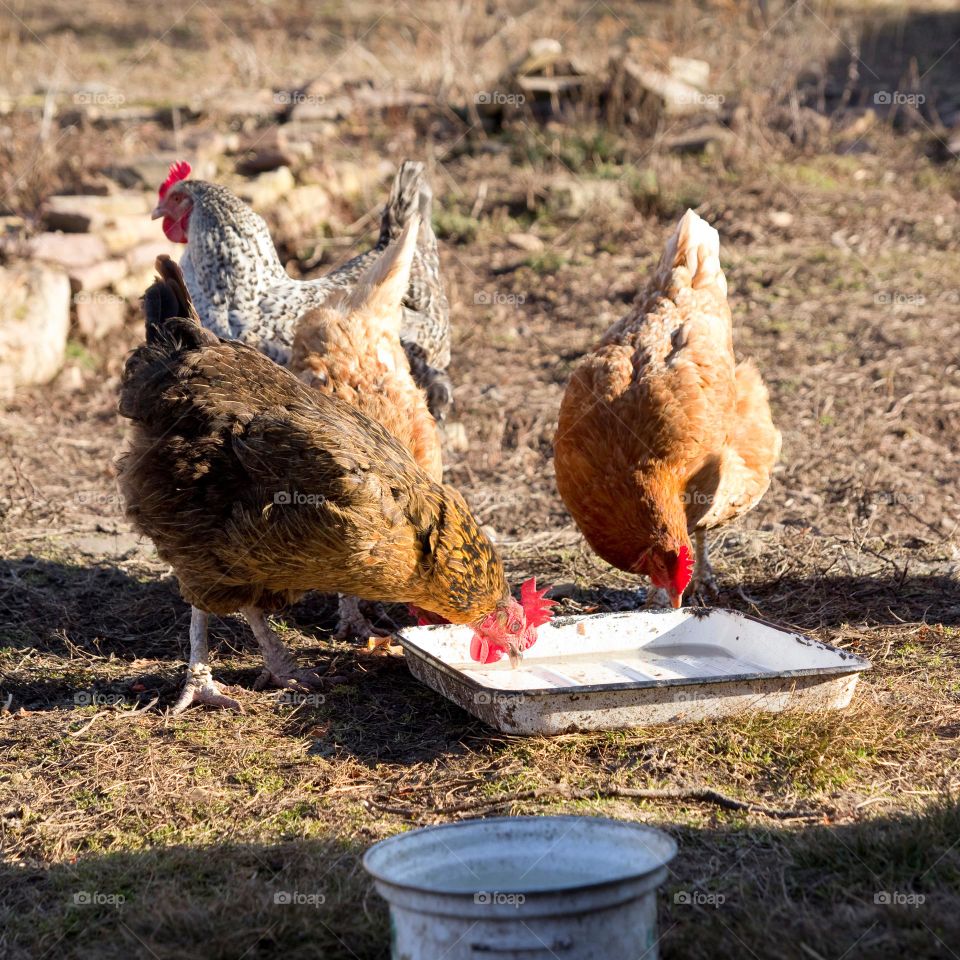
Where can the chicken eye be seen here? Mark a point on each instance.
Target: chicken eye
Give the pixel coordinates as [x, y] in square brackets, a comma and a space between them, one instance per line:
[515, 626]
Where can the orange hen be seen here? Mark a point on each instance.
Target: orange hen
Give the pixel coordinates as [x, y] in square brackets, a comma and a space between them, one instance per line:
[662, 435]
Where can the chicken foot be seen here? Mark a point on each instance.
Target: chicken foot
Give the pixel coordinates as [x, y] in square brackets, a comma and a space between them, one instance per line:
[279, 665]
[353, 621]
[200, 687]
[703, 575]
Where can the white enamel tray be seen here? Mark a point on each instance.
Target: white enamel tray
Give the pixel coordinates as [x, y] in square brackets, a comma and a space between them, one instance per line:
[612, 670]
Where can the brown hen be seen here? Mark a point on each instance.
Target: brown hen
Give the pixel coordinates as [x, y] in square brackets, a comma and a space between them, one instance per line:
[661, 433]
[257, 488]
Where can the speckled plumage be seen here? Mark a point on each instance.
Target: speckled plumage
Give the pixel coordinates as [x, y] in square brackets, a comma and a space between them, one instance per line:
[242, 291]
[256, 488]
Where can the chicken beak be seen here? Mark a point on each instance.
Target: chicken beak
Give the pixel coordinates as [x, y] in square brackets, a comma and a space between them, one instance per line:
[158, 212]
[676, 600]
[515, 654]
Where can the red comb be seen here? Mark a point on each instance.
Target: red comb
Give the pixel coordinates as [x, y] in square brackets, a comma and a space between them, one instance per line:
[179, 170]
[681, 576]
[536, 609]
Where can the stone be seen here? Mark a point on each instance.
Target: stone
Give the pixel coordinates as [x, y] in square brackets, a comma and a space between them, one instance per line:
[263, 153]
[99, 313]
[677, 97]
[525, 241]
[67, 249]
[34, 323]
[127, 232]
[83, 213]
[302, 211]
[96, 276]
[266, 190]
[133, 286]
[144, 255]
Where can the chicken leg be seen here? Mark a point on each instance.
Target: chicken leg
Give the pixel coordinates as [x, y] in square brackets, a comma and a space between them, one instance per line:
[200, 687]
[279, 665]
[703, 576]
[354, 622]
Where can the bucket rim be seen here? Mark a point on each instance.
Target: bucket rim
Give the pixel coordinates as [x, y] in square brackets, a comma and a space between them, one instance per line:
[376, 850]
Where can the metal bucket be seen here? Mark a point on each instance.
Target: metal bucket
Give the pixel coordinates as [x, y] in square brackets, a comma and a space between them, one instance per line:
[522, 888]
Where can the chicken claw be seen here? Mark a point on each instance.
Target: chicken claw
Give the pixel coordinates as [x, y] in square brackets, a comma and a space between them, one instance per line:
[279, 665]
[200, 687]
[287, 676]
[354, 623]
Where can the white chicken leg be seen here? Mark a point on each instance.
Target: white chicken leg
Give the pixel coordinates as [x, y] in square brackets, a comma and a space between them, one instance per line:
[200, 687]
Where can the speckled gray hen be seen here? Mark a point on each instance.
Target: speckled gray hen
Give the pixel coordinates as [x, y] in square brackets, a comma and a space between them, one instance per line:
[242, 291]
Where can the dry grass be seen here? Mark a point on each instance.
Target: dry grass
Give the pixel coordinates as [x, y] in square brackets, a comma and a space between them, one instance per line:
[851, 311]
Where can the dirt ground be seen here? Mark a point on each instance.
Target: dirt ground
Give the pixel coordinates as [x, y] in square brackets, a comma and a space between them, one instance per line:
[153, 836]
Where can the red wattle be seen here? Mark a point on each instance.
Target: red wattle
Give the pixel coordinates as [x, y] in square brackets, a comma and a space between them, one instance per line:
[176, 230]
[481, 650]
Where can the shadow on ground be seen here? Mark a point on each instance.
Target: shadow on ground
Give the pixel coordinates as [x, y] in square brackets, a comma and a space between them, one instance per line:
[882, 888]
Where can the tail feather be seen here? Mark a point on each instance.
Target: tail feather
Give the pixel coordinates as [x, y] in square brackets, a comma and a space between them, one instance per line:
[168, 311]
[410, 194]
[692, 256]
